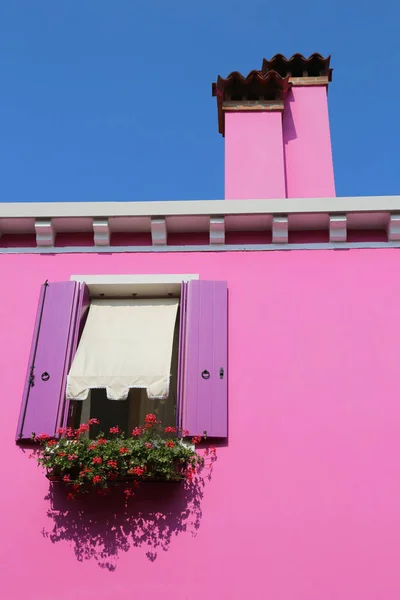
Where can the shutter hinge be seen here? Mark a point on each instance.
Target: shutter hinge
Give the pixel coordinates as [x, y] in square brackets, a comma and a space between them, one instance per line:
[32, 376]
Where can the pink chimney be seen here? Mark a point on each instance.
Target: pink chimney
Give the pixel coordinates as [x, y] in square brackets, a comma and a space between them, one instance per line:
[276, 127]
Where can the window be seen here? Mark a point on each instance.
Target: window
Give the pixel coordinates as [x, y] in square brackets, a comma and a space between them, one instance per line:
[197, 399]
[150, 346]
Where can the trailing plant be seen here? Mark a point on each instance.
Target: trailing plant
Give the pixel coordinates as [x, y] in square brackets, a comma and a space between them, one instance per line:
[154, 452]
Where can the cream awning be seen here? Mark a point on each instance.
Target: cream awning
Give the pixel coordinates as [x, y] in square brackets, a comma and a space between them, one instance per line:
[125, 344]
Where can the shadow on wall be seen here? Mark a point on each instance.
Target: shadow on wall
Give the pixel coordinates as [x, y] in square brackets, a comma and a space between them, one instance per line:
[101, 527]
[289, 125]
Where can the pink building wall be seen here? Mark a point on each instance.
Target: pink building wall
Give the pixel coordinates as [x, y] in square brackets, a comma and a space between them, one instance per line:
[303, 502]
[254, 162]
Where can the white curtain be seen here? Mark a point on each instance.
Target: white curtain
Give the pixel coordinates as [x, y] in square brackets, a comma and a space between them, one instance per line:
[125, 344]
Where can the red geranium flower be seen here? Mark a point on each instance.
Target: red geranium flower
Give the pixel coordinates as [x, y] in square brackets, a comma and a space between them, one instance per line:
[84, 427]
[97, 460]
[114, 429]
[92, 447]
[191, 471]
[66, 478]
[112, 463]
[137, 471]
[96, 479]
[150, 418]
[196, 439]
[148, 445]
[51, 443]
[101, 441]
[83, 473]
[123, 450]
[61, 431]
[170, 444]
[137, 431]
[94, 422]
[61, 454]
[72, 456]
[170, 430]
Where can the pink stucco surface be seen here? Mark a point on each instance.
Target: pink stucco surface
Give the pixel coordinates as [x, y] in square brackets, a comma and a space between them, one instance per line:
[307, 144]
[254, 162]
[303, 502]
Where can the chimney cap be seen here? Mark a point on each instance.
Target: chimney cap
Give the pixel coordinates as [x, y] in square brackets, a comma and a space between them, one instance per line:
[269, 86]
[299, 66]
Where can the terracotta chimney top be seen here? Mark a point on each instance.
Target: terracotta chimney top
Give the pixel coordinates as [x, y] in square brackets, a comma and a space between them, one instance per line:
[265, 89]
[298, 66]
[257, 91]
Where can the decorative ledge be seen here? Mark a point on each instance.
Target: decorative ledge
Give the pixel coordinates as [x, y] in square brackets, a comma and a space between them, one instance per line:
[253, 105]
[280, 230]
[158, 231]
[308, 81]
[393, 229]
[45, 233]
[101, 232]
[338, 228]
[217, 230]
[207, 225]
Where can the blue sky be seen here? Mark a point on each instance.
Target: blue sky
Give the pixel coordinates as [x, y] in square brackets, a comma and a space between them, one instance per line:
[109, 100]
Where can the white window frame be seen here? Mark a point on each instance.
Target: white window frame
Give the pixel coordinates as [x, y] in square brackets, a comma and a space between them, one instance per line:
[159, 285]
[124, 286]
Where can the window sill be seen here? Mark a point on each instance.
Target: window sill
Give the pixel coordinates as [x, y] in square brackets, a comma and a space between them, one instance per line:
[121, 481]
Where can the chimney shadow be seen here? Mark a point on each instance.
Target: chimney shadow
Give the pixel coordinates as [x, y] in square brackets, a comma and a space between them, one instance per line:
[289, 131]
[288, 121]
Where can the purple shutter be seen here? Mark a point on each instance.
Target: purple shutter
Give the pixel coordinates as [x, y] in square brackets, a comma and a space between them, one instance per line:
[43, 402]
[82, 311]
[181, 353]
[81, 316]
[203, 397]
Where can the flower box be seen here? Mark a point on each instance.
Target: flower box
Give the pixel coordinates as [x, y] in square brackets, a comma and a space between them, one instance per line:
[153, 454]
[59, 479]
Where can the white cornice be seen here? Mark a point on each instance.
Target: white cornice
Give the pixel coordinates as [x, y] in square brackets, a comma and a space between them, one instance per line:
[209, 248]
[11, 210]
[276, 218]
